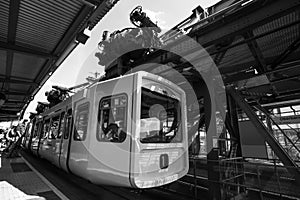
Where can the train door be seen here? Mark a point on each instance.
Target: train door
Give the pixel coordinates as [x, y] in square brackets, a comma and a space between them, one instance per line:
[27, 134]
[52, 137]
[63, 159]
[109, 160]
[58, 140]
[34, 144]
[78, 158]
[31, 133]
[43, 144]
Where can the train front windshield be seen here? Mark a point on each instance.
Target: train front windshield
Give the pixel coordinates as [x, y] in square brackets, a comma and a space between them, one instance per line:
[160, 115]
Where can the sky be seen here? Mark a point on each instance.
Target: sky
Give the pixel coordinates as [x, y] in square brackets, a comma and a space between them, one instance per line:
[82, 63]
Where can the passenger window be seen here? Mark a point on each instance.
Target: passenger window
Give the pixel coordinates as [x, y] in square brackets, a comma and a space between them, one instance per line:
[54, 127]
[46, 127]
[29, 129]
[35, 129]
[61, 125]
[81, 122]
[112, 122]
[69, 124]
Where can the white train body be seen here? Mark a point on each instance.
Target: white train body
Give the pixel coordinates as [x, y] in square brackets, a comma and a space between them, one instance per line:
[130, 131]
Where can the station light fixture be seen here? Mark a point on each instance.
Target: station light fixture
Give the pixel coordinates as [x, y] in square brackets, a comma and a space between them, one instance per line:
[83, 36]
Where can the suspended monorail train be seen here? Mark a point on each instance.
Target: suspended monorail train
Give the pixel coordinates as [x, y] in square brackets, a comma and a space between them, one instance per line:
[129, 131]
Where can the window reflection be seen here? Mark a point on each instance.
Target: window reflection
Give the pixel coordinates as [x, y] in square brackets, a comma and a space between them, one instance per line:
[81, 122]
[112, 119]
[160, 116]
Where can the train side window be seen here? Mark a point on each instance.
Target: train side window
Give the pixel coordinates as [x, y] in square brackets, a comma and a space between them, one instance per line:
[35, 129]
[68, 124]
[81, 122]
[54, 127]
[112, 122]
[46, 127]
[61, 125]
[28, 129]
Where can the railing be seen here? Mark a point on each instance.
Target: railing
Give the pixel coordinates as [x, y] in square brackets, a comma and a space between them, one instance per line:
[254, 178]
[262, 179]
[231, 173]
[292, 147]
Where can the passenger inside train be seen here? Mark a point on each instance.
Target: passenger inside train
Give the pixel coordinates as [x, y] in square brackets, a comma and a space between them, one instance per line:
[113, 114]
[115, 133]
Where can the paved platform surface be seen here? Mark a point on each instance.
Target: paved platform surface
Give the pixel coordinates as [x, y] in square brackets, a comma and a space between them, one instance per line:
[18, 180]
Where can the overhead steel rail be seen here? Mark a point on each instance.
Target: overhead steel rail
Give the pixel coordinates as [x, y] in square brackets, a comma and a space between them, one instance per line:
[249, 41]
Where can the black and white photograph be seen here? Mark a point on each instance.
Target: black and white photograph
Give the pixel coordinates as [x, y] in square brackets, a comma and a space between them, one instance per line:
[148, 100]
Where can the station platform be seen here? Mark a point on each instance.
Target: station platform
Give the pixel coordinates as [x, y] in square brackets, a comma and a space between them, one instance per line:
[19, 180]
[28, 177]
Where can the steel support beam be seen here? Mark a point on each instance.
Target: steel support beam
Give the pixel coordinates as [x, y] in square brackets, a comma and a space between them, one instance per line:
[258, 36]
[16, 93]
[288, 78]
[7, 112]
[14, 102]
[291, 48]
[4, 80]
[232, 119]
[8, 118]
[234, 77]
[238, 77]
[256, 52]
[219, 57]
[24, 50]
[9, 62]
[13, 20]
[247, 18]
[268, 115]
[246, 66]
[266, 134]
[241, 21]
[10, 107]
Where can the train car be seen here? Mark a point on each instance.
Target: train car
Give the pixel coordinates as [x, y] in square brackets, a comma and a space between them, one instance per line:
[129, 131]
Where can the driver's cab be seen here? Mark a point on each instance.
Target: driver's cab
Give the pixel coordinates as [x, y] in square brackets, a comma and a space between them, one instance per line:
[160, 135]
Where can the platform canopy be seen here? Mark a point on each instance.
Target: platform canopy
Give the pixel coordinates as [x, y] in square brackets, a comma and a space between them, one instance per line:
[35, 38]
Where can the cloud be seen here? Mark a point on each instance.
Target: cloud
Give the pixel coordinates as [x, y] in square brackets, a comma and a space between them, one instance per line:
[157, 17]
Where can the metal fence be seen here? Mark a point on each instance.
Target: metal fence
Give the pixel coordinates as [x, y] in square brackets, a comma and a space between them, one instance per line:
[252, 179]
